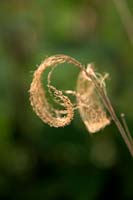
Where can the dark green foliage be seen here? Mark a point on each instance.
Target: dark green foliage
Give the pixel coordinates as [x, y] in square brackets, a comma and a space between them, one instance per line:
[39, 162]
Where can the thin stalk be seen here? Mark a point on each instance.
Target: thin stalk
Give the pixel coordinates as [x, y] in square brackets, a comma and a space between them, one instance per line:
[126, 127]
[119, 125]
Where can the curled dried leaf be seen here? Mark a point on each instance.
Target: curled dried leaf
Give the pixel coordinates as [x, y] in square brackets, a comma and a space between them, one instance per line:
[39, 102]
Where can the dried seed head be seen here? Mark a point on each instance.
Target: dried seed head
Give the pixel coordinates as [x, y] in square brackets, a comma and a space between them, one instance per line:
[90, 106]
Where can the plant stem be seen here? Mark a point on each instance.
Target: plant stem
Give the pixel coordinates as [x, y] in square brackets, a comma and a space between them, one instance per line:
[107, 103]
[126, 127]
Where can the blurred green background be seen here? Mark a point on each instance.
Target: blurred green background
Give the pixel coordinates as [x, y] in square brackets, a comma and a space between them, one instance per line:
[39, 162]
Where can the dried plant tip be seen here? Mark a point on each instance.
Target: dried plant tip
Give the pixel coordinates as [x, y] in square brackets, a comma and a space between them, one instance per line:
[90, 107]
[91, 99]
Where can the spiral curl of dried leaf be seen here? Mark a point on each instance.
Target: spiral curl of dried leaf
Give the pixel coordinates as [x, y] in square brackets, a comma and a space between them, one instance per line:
[38, 98]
